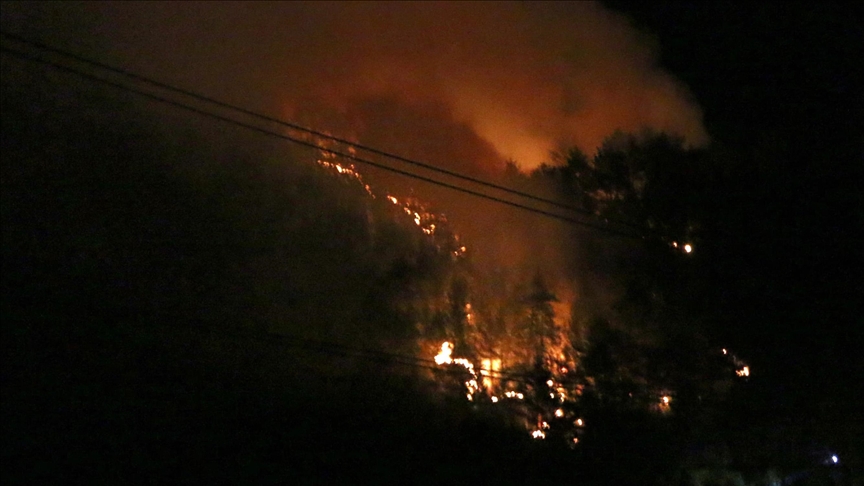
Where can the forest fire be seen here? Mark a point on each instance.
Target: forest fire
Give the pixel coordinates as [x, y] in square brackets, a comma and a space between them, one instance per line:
[527, 328]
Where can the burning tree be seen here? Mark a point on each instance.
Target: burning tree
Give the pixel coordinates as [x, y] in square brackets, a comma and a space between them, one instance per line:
[504, 332]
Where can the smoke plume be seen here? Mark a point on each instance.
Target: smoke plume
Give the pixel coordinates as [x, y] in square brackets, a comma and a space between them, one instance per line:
[466, 85]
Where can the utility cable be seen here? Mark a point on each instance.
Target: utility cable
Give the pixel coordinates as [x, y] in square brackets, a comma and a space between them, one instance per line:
[305, 143]
[303, 129]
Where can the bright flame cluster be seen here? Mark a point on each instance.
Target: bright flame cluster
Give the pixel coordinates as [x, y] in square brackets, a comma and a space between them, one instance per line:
[421, 218]
[445, 356]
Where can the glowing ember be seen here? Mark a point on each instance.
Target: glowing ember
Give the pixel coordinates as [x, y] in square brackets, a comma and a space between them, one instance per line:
[559, 413]
[688, 248]
[494, 399]
[550, 382]
[513, 394]
[745, 371]
[579, 422]
[349, 171]
[538, 434]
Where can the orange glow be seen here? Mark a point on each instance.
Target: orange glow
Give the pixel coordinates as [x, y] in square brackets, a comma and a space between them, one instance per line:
[688, 248]
[490, 368]
[443, 356]
[559, 413]
[342, 170]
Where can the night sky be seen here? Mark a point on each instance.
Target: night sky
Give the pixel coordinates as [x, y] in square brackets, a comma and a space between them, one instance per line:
[774, 89]
[781, 84]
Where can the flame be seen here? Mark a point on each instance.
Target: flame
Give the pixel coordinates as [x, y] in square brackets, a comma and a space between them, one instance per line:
[349, 171]
[686, 247]
[445, 356]
[743, 369]
[484, 379]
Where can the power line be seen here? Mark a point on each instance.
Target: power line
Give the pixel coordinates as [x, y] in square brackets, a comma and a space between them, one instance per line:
[293, 125]
[307, 130]
[308, 144]
[310, 345]
[331, 348]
